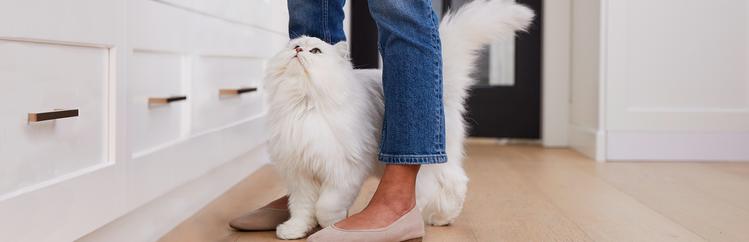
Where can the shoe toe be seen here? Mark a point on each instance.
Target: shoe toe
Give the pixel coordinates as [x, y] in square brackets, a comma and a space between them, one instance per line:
[324, 235]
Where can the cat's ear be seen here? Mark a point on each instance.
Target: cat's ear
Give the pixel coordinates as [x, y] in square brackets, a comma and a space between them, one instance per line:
[342, 48]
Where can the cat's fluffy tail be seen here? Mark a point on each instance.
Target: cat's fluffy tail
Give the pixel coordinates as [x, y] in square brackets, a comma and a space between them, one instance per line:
[442, 188]
[466, 31]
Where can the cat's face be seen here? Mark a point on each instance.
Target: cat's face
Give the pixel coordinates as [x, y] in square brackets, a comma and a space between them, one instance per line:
[309, 71]
[309, 57]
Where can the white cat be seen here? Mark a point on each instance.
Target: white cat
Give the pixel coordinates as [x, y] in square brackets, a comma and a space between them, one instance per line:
[325, 120]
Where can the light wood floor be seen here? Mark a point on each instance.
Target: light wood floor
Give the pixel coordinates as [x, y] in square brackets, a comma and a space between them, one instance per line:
[527, 193]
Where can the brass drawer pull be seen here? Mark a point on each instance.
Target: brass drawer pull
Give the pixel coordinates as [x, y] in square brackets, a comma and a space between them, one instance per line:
[58, 114]
[236, 92]
[165, 100]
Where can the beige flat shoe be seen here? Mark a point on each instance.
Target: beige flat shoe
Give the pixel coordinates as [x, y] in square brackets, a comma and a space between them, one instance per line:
[261, 219]
[409, 227]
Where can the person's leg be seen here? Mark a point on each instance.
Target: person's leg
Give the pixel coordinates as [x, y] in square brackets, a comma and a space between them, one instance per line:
[322, 19]
[413, 132]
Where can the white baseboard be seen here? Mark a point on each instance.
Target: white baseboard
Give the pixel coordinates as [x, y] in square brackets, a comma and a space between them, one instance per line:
[677, 146]
[154, 219]
[590, 142]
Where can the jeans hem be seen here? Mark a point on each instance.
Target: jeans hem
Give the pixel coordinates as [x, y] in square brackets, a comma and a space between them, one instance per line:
[412, 159]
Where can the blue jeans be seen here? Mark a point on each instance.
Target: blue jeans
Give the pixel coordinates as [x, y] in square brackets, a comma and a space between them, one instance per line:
[413, 130]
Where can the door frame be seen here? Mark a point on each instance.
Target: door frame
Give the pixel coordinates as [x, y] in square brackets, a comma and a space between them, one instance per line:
[556, 73]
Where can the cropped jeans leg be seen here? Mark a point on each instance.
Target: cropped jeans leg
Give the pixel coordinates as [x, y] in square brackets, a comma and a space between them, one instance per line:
[322, 19]
[414, 125]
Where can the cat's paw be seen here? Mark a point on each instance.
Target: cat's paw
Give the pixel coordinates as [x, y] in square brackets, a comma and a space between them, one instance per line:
[439, 221]
[326, 219]
[440, 217]
[292, 229]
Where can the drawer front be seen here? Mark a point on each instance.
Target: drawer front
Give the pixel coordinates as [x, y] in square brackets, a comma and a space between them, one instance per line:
[42, 77]
[215, 73]
[157, 100]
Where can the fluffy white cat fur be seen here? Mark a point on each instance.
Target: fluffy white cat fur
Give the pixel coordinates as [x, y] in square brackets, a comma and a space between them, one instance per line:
[325, 119]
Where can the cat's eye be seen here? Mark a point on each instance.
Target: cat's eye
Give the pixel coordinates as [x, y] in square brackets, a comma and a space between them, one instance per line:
[295, 47]
[315, 51]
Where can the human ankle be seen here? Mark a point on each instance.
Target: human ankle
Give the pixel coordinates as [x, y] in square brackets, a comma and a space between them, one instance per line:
[400, 207]
[398, 202]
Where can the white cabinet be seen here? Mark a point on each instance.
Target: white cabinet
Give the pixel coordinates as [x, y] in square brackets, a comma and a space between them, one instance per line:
[157, 100]
[62, 175]
[106, 59]
[43, 78]
[236, 77]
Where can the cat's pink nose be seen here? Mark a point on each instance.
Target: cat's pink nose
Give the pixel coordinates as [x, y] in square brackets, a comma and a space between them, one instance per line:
[298, 49]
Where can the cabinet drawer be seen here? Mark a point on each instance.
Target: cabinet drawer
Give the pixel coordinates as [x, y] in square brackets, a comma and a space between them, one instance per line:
[157, 100]
[43, 77]
[211, 75]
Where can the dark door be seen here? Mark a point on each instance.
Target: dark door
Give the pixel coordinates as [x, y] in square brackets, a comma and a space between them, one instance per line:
[363, 42]
[506, 101]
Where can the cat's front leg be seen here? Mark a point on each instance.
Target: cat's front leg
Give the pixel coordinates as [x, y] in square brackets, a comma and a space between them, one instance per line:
[302, 196]
[335, 200]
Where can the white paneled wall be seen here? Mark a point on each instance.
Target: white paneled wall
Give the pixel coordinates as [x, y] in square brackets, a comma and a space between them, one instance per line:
[113, 61]
[677, 79]
[661, 80]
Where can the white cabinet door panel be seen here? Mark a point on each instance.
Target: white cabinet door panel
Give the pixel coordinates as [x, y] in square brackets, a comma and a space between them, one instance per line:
[63, 175]
[39, 77]
[155, 75]
[213, 73]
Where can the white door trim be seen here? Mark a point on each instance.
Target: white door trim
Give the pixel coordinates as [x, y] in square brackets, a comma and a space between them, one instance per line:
[555, 94]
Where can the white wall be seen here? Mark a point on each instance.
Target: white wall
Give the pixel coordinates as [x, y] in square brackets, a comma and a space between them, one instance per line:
[661, 80]
[585, 101]
[556, 72]
[677, 85]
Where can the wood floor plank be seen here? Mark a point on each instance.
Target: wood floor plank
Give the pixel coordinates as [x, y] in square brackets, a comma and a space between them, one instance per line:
[502, 206]
[740, 169]
[708, 179]
[601, 210]
[668, 189]
[211, 222]
[526, 193]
